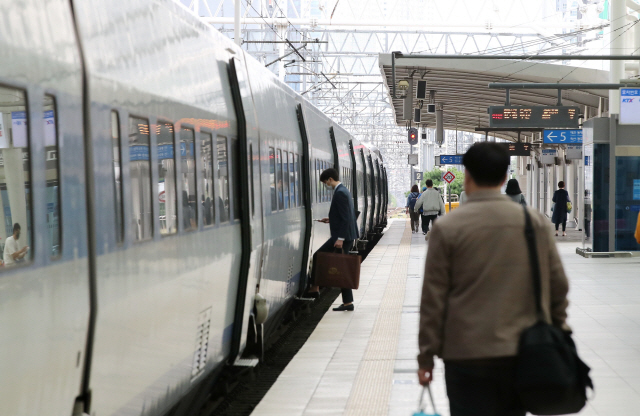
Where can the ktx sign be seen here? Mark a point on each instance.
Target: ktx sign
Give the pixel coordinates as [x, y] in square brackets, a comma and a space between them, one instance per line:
[562, 136]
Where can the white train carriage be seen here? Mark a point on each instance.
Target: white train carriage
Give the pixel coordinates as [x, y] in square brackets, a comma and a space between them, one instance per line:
[166, 184]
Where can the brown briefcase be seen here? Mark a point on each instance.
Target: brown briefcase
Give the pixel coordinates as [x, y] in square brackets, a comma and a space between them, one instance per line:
[337, 270]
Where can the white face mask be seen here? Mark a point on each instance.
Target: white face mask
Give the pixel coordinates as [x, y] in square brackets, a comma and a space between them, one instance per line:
[329, 187]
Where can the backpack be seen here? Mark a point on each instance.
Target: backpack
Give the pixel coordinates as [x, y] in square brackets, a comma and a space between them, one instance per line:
[413, 198]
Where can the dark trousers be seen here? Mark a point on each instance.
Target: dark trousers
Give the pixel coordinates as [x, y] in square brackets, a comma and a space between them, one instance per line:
[564, 225]
[587, 228]
[347, 294]
[425, 222]
[415, 220]
[483, 388]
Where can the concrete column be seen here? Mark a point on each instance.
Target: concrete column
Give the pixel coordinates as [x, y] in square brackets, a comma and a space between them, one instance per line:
[564, 167]
[618, 11]
[545, 189]
[539, 188]
[529, 190]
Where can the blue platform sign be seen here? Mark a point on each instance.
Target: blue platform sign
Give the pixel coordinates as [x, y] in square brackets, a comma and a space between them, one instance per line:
[451, 159]
[562, 136]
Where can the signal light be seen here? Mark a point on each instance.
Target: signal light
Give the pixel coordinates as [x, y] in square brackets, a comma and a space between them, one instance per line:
[413, 136]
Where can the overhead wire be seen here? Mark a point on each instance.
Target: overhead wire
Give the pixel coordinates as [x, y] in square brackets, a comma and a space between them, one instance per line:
[609, 44]
[541, 55]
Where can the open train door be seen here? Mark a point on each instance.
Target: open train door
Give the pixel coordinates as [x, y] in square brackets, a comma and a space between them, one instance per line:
[306, 194]
[251, 212]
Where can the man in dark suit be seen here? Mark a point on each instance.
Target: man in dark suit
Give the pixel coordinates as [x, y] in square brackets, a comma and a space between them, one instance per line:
[342, 223]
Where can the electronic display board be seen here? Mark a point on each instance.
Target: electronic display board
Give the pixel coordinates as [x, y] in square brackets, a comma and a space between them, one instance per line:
[518, 149]
[536, 116]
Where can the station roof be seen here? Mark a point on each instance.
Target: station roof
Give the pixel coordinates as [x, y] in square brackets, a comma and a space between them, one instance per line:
[462, 87]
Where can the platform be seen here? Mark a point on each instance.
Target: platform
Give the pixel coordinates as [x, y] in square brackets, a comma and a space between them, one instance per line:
[363, 363]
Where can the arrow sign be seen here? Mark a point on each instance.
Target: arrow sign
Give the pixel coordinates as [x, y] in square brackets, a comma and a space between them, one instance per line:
[563, 136]
[451, 159]
[449, 177]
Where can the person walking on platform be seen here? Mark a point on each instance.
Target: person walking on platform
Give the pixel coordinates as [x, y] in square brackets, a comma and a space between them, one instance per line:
[513, 191]
[478, 296]
[411, 203]
[343, 227]
[560, 200]
[463, 196]
[432, 205]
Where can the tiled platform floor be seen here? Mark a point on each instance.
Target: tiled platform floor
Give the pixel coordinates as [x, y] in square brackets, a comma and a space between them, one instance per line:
[324, 376]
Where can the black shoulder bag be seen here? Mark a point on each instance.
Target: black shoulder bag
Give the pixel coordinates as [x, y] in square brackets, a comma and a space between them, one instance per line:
[550, 377]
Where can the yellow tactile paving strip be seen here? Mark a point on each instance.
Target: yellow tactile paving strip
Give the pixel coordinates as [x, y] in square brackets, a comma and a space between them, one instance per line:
[371, 389]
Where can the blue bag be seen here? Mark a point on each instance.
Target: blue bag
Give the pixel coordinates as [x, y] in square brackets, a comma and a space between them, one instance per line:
[422, 407]
[413, 198]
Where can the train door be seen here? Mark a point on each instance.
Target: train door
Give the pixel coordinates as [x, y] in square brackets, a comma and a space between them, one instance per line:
[307, 191]
[379, 192]
[385, 185]
[354, 178]
[365, 192]
[334, 147]
[372, 191]
[251, 205]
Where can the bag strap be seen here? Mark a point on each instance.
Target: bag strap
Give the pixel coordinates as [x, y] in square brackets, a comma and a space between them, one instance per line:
[535, 264]
[421, 403]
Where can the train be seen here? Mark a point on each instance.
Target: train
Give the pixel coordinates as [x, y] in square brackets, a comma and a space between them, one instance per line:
[165, 184]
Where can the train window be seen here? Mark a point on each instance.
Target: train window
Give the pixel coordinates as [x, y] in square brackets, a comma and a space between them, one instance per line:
[314, 179]
[188, 169]
[15, 183]
[272, 179]
[140, 174]
[206, 157]
[317, 181]
[279, 176]
[223, 178]
[167, 179]
[235, 164]
[117, 179]
[320, 184]
[253, 189]
[326, 190]
[285, 177]
[345, 179]
[292, 181]
[52, 175]
[298, 177]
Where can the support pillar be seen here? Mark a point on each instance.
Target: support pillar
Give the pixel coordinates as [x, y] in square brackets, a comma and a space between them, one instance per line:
[236, 22]
[618, 11]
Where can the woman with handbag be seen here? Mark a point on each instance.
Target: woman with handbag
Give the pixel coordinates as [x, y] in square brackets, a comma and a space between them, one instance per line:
[560, 208]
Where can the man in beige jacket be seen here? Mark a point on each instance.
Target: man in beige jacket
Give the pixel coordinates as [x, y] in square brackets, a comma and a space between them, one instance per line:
[477, 295]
